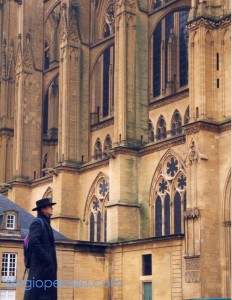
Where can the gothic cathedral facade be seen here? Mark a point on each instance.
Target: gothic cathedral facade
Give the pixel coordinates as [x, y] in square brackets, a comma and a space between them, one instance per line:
[120, 111]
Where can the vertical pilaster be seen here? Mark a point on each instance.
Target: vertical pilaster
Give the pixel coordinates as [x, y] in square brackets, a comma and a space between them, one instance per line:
[73, 118]
[131, 111]
[28, 93]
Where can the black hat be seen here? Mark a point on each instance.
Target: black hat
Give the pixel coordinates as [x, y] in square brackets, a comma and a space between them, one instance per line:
[43, 202]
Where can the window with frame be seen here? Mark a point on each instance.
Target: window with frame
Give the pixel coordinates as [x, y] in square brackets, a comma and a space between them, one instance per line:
[161, 132]
[9, 265]
[186, 116]
[170, 54]
[10, 222]
[151, 134]
[170, 198]
[7, 295]
[176, 126]
[98, 212]
[102, 86]
[98, 149]
[107, 145]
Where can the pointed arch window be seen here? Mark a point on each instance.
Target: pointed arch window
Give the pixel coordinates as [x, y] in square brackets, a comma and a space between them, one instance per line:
[170, 53]
[158, 217]
[177, 213]
[99, 226]
[97, 211]
[46, 56]
[167, 214]
[170, 198]
[107, 145]
[176, 124]
[186, 116]
[98, 149]
[151, 134]
[91, 227]
[102, 86]
[161, 131]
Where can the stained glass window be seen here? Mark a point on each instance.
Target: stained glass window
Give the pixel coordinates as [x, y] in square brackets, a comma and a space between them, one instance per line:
[106, 67]
[170, 197]
[158, 217]
[91, 227]
[167, 214]
[46, 56]
[170, 45]
[99, 226]
[176, 124]
[183, 55]
[157, 60]
[169, 24]
[105, 227]
[106, 31]
[161, 129]
[177, 213]
[45, 114]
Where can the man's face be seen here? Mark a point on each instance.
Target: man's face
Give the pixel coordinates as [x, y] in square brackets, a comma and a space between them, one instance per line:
[47, 210]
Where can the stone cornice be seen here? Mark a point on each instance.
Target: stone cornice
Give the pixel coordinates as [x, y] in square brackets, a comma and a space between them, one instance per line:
[195, 127]
[169, 99]
[123, 204]
[208, 22]
[102, 124]
[163, 144]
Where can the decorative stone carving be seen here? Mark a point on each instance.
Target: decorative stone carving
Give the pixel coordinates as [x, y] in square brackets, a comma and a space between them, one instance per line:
[110, 17]
[125, 5]
[208, 23]
[192, 274]
[192, 213]
[194, 154]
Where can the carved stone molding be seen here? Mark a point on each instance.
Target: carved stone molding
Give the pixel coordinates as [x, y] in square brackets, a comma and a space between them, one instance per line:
[193, 154]
[209, 23]
[192, 213]
[169, 99]
[192, 273]
[125, 5]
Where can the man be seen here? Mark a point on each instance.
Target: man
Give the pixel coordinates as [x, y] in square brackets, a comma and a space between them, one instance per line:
[40, 284]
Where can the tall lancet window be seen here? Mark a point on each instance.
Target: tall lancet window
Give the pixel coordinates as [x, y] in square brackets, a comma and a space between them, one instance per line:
[169, 196]
[170, 54]
[96, 210]
[102, 87]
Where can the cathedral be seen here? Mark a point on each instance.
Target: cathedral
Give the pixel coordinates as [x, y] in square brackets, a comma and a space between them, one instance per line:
[119, 110]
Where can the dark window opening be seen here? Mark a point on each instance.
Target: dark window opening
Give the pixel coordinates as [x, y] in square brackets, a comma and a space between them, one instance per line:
[183, 49]
[99, 226]
[92, 227]
[217, 57]
[45, 114]
[167, 215]
[177, 213]
[146, 264]
[106, 82]
[158, 217]
[157, 60]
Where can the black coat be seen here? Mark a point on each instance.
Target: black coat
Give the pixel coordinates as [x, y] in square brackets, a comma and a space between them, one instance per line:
[43, 263]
